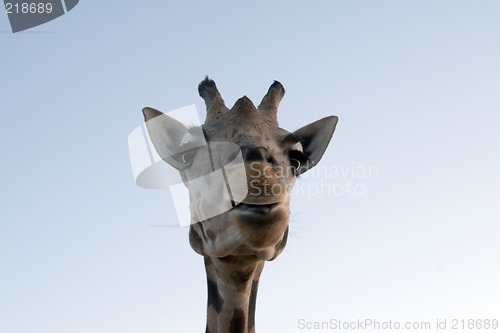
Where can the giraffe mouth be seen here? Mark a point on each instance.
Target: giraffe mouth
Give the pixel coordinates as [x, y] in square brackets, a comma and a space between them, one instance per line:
[256, 208]
[269, 215]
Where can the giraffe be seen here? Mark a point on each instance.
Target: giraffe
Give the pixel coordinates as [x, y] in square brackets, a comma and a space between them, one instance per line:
[236, 243]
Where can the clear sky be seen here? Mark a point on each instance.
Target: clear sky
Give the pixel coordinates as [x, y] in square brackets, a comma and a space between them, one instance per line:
[401, 223]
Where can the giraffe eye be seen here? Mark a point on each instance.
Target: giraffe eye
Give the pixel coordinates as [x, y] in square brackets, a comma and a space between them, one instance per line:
[297, 159]
[295, 164]
[187, 158]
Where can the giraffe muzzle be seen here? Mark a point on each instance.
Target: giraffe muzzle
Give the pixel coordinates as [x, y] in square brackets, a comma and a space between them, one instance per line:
[267, 213]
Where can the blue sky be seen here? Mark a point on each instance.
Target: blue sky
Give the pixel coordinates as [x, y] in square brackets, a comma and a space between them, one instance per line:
[415, 85]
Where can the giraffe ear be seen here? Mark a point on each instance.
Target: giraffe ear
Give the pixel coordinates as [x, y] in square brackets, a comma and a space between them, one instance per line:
[315, 138]
[166, 133]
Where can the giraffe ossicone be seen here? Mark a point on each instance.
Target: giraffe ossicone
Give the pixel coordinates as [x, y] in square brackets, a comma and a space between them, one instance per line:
[239, 168]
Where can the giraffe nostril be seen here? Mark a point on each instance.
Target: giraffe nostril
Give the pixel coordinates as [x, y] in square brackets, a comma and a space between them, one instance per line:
[251, 154]
[256, 154]
[271, 160]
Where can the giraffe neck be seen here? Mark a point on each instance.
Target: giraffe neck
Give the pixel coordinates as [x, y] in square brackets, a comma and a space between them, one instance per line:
[232, 292]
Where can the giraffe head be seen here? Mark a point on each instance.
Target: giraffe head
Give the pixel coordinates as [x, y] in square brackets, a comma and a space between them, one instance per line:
[242, 161]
